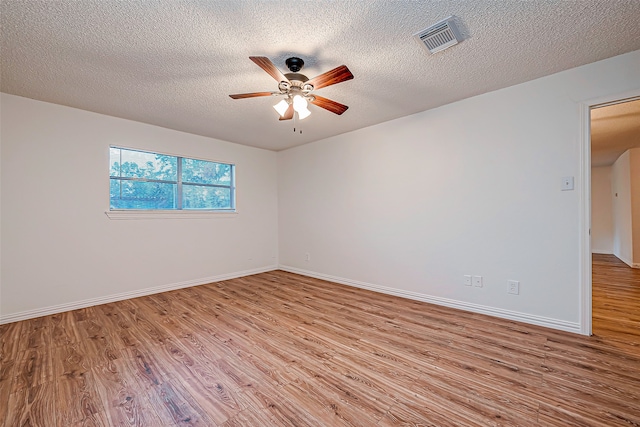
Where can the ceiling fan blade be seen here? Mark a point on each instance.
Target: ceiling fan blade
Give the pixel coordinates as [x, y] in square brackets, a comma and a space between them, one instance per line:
[327, 104]
[250, 95]
[288, 115]
[337, 75]
[266, 64]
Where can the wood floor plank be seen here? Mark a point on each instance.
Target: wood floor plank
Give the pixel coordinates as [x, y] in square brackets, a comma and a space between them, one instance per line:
[64, 329]
[403, 415]
[280, 349]
[78, 400]
[10, 338]
[249, 417]
[280, 409]
[328, 405]
[125, 404]
[100, 349]
[36, 334]
[93, 420]
[176, 407]
[166, 397]
[6, 384]
[33, 406]
[368, 398]
[70, 360]
[32, 367]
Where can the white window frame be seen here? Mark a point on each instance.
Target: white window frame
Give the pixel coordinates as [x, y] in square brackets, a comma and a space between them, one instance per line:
[129, 214]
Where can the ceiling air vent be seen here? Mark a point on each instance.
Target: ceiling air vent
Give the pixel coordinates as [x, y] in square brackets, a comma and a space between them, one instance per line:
[440, 36]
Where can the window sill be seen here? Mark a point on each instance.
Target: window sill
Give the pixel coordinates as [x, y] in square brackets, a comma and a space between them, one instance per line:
[167, 214]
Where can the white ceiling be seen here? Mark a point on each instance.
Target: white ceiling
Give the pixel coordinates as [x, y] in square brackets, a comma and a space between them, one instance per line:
[174, 63]
[614, 130]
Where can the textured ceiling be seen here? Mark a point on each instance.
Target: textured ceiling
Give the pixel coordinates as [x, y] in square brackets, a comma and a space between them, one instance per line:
[614, 130]
[174, 63]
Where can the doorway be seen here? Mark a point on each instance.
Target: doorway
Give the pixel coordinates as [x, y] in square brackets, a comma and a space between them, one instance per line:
[614, 249]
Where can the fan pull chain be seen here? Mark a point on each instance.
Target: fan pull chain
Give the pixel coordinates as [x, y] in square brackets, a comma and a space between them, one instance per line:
[294, 124]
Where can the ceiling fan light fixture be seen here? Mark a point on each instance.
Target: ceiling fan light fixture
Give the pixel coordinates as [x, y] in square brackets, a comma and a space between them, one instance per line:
[281, 107]
[303, 113]
[300, 105]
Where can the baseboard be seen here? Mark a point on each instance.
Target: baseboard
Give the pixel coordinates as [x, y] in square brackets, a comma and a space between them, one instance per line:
[625, 260]
[45, 311]
[547, 322]
[601, 252]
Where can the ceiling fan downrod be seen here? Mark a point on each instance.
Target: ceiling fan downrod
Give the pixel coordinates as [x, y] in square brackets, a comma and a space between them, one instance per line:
[294, 64]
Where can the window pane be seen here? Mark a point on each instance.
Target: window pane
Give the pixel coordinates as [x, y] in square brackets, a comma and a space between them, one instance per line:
[142, 195]
[138, 164]
[114, 161]
[200, 197]
[203, 172]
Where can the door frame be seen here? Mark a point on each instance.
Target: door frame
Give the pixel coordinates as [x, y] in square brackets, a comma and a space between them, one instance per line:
[585, 273]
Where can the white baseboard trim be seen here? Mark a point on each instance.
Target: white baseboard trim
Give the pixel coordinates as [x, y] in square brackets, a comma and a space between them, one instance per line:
[624, 259]
[547, 322]
[601, 251]
[45, 311]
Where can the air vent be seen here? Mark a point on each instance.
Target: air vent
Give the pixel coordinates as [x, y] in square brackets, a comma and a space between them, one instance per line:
[440, 36]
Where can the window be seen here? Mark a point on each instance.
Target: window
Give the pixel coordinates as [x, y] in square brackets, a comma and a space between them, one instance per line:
[141, 180]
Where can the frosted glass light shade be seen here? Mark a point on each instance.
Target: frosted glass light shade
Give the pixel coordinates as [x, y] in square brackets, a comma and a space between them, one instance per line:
[300, 106]
[303, 113]
[281, 107]
[299, 103]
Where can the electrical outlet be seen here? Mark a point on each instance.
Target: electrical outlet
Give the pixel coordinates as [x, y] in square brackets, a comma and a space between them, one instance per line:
[307, 256]
[514, 287]
[467, 280]
[477, 281]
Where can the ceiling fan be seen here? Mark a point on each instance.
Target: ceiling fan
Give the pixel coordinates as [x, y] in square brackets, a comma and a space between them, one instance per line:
[297, 88]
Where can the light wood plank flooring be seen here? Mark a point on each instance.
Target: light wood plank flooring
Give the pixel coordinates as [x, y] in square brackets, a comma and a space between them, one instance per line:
[616, 300]
[278, 349]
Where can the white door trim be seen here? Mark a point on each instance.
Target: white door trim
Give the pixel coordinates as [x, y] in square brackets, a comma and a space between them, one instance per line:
[584, 220]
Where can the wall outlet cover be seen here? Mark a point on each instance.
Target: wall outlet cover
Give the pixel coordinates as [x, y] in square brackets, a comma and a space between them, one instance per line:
[514, 287]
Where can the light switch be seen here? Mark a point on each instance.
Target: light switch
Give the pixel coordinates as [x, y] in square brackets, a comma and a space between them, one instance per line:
[567, 183]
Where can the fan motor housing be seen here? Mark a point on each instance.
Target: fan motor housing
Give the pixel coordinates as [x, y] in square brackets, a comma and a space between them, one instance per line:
[296, 77]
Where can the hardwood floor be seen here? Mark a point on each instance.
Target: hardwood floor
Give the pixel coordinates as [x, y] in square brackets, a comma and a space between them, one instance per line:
[616, 300]
[278, 349]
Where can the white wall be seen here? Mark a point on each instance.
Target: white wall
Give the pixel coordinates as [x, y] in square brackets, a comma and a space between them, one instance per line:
[622, 226]
[601, 210]
[412, 205]
[58, 246]
[634, 164]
